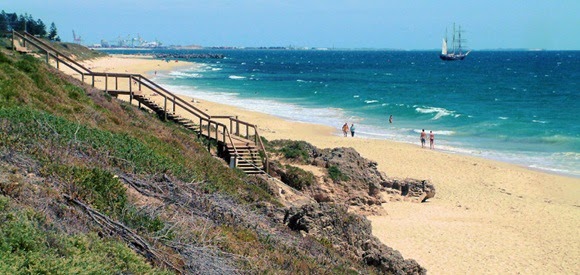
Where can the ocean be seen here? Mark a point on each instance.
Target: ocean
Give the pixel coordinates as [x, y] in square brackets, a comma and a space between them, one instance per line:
[519, 107]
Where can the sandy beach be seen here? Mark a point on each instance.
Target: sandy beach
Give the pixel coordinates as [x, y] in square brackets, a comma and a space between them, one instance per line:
[487, 217]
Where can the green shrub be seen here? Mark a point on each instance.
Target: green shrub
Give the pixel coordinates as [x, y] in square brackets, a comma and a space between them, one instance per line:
[95, 186]
[140, 220]
[74, 92]
[296, 150]
[30, 245]
[4, 201]
[297, 177]
[28, 64]
[337, 175]
[4, 59]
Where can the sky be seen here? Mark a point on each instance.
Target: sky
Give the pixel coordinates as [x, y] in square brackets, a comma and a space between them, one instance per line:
[381, 24]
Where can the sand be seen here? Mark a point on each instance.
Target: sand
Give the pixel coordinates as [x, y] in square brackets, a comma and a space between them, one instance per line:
[487, 217]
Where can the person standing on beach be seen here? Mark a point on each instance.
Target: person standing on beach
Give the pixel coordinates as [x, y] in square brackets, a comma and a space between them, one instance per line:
[391, 119]
[431, 140]
[423, 137]
[345, 129]
[352, 130]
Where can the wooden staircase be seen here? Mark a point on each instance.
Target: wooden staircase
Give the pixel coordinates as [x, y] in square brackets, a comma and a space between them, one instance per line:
[242, 148]
[249, 159]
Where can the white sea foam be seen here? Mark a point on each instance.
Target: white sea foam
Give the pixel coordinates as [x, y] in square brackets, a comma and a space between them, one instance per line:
[371, 101]
[236, 77]
[184, 74]
[539, 121]
[324, 116]
[444, 133]
[503, 117]
[440, 132]
[356, 96]
[565, 163]
[439, 112]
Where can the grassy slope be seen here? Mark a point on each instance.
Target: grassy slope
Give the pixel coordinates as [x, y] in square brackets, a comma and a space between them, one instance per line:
[61, 138]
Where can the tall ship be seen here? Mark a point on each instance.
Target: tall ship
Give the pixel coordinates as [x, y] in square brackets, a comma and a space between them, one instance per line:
[456, 51]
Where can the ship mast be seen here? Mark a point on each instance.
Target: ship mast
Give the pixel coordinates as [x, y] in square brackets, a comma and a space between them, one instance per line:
[454, 43]
[459, 40]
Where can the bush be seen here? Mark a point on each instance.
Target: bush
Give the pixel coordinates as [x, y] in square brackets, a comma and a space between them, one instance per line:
[97, 187]
[4, 59]
[296, 150]
[140, 220]
[297, 178]
[336, 175]
[30, 245]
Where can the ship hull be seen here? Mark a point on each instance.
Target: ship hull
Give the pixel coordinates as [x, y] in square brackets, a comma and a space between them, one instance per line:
[452, 57]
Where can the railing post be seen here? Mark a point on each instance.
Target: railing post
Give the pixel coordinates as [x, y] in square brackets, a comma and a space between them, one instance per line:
[130, 89]
[47, 58]
[139, 82]
[116, 83]
[164, 106]
[231, 125]
[173, 103]
[83, 77]
[208, 128]
[57, 57]
[208, 136]
[200, 129]
[237, 127]
[93, 80]
[106, 82]
[256, 134]
[247, 131]
[13, 46]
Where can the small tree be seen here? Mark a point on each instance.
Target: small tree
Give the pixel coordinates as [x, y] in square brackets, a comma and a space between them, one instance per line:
[53, 34]
[40, 28]
[3, 22]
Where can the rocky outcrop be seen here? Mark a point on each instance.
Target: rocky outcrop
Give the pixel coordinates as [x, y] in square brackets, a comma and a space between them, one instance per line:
[416, 190]
[351, 179]
[349, 233]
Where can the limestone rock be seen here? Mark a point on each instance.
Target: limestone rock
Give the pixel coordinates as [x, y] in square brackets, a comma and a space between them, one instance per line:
[351, 234]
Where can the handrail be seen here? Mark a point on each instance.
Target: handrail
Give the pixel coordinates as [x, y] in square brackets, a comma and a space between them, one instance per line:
[58, 58]
[56, 51]
[142, 80]
[267, 162]
[176, 97]
[35, 42]
[232, 143]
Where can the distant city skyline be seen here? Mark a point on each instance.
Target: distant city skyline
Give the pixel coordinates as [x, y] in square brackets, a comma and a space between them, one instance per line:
[406, 25]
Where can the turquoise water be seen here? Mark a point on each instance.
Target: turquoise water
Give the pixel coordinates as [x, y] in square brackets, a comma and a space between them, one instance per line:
[519, 107]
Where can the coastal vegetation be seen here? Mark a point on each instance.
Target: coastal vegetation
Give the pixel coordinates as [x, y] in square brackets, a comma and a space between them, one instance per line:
[25, 22]
[92, 183]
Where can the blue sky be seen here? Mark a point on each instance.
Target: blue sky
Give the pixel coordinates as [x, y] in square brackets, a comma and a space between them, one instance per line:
[404, 24]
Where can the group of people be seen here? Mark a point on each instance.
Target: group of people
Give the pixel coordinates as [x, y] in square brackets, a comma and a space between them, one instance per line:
[346, 129]
[431, 139]
[423, 137]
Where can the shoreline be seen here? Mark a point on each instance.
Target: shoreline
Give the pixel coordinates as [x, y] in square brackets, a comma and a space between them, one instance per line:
[487, 216]
[552, 161]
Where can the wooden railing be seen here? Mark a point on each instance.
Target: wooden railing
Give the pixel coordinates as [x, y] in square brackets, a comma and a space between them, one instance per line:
[206, 121]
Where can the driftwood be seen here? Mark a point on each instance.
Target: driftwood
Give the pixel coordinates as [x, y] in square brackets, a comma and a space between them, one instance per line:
[136, 242]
